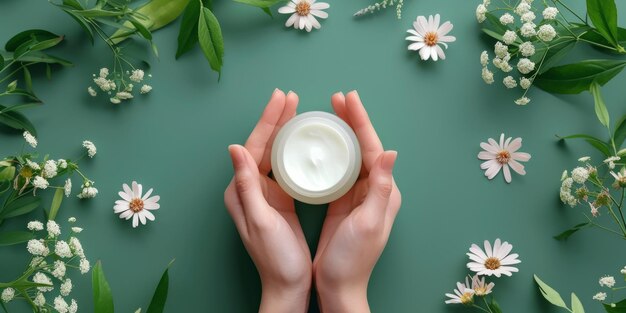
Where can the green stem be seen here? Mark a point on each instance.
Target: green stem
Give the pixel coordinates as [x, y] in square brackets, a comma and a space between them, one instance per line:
[571, 11]
[621, 226]
[592, 223]
[487, 304]
[532, 78]
[481, 308]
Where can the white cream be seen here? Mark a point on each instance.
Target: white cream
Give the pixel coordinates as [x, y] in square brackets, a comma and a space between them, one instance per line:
[316, 157]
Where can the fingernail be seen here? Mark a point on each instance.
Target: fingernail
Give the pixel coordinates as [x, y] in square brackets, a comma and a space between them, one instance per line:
[290, 92]
[389, 160]
[339, 93]
[236, 155]
[275, 91]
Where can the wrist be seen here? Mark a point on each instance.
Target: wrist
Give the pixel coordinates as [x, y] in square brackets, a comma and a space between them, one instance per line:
[287, 299]
[342, 299]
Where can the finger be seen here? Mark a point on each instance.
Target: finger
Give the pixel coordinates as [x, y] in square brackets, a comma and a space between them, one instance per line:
[338, 101]
[258, 139]
[380, 184]
[289, 111]
[247, 184]
[371, 147]
[235, 209]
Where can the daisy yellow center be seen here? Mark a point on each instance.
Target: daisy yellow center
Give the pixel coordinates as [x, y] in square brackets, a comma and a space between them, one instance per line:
[503, 157]
[136, 205]
[26, 172]
[480, 291]
[492, 263]
[431, 38]
[303, 8]
[466, 298]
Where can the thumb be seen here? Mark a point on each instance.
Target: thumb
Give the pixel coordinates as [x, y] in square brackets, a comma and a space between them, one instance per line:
[380, 182]
[246, 177]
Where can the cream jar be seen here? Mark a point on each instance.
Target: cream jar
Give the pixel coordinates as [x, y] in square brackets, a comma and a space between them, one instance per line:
[316, 157]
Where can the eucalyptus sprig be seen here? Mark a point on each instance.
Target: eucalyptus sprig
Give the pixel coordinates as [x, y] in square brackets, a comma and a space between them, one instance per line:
[23, 52]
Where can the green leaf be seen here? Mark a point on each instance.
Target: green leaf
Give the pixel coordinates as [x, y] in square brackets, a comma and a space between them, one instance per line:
[160, 294]
[74, 4]
[188, 32]
[7, 173]
[46, 44]
[39, 35]
[16, 120]
[48, 71]
[93, 13]
[578, 77]
[554, 52]
[158, 13]
[603, 15]
[577, 306]
[1, 62]
[20, 206]
[24, 93]
[20, 106]
[594, 36]
[619, 136]
[494, 306]
[56, 204]
[620, 307]
[82, 22]
[14, 237]
[600, 106]
[143, 31]
[550, 294]
[28, 79]
[211, 40]
[593, 141]
[260, 3]
[566, 234]
[11, 86]
[102, 297]
[40, 57]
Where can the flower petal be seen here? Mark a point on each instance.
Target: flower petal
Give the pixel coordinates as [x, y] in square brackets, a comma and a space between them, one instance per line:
[507, 173]
[478, 251]
[125, 196]
[485, 155]
[488, 249]
[423, 25]
[135, 220]
[425, 53]
[416, 46]
[443, 39]
[444, 29]
[137, 190]
[514, 145]
[520, 156]
[320, 6]
[490, 147]
[126, 214]
[320, 14]
[142, 217]
[436, 22]
[147, 194]
[517, 167]
[148, 215]
[314, 22]
[286, 10]
[291, 20]
[440, 52]
[493, 171]
[415, 38]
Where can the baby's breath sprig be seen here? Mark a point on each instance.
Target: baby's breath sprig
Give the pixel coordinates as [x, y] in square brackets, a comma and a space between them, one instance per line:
[52, 257]
[119, 82]
[380, 6]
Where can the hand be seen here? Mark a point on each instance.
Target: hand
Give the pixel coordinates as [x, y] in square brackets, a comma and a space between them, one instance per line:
[265, 215]
[358, 224]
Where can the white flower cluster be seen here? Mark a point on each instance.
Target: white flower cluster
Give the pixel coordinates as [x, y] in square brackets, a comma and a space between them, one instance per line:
[61, 259]
[123, 88]
[382, 5]
[518, 43]
[38, 175]
[87, 190]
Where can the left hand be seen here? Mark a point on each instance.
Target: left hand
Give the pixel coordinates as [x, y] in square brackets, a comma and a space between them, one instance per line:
[265, 215]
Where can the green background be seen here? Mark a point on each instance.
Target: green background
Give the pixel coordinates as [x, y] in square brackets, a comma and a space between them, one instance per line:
[435, 114]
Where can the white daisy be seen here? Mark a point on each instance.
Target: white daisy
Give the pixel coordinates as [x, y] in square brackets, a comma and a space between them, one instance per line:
[496, 261]
[620, 177]
[479, 286]
[134, 205]
[462, 295]
[428, 35]
[502, 156]
[303, 13]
